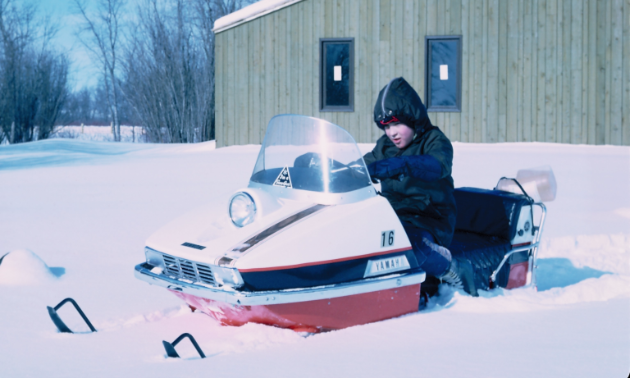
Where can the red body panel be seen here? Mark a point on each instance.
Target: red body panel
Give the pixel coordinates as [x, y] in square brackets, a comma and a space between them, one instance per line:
[318, 315]
[518, 275]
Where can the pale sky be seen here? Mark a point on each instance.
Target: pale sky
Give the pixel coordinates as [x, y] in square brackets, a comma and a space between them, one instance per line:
[61, 13]
[66, 17]
[64, 14]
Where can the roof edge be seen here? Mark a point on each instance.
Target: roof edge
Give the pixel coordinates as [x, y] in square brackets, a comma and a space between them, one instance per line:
[250, 13]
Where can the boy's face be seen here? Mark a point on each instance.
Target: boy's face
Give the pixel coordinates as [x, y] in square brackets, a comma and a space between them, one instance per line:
[400, 134]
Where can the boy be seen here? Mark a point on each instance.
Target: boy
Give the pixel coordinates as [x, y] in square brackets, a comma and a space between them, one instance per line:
[413, 160]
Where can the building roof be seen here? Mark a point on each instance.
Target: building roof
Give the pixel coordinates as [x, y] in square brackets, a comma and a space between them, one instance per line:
[250, 12]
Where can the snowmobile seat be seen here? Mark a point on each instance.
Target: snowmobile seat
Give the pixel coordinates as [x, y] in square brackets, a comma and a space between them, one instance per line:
[486, 223]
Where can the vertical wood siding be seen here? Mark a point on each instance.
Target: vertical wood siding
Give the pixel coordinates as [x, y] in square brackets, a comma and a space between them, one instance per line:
[532, 70]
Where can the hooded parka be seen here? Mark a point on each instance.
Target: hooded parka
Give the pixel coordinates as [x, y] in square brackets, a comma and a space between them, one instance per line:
[426, 203]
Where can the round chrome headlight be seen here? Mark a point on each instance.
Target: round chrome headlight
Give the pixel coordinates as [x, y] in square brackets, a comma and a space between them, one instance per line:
[242, 209]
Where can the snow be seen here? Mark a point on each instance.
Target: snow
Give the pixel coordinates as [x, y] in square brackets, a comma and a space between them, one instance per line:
[23, 267]
[98, 133]
[75, 215]
[250, 12]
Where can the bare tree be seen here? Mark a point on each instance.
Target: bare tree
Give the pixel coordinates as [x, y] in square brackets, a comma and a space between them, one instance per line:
[89, 106]
[169, 64]
[101, 36]
[163, 65]
[207, 12]
[33, 78]
[79, 108]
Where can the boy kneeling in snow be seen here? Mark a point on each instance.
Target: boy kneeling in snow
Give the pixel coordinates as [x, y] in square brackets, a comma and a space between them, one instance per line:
[413, 161]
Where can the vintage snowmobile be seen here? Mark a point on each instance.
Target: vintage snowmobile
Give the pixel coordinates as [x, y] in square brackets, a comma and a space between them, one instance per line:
[310, 245]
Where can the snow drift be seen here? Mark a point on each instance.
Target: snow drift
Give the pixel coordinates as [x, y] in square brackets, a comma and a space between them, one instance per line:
[23, 267]
[89, 207]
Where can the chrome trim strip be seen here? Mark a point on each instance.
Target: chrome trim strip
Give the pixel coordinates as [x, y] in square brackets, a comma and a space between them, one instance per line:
[317, 197]
[270, 231]
[245, 298]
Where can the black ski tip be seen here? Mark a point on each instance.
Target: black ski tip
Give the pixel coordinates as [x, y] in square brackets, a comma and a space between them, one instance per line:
[170, 349]
[3, 256]
[61, 326]
[59, 323]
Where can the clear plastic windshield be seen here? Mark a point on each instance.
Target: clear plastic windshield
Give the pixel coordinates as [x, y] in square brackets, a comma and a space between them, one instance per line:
[311, 154]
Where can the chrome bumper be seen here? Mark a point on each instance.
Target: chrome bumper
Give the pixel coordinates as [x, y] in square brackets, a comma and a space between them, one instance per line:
[249, 298]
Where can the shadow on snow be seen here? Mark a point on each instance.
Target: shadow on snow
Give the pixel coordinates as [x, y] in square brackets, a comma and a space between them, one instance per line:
[60, 152]
[551, 273]
[560, 272]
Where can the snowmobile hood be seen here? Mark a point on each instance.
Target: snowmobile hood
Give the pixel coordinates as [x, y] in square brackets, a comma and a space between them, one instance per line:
[207, 233]
[308, 236]
[309, 217]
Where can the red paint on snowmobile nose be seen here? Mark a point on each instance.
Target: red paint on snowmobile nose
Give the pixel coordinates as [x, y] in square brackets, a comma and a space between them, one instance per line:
[318, 315]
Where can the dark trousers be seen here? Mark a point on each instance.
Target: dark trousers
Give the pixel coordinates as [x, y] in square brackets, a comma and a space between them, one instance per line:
[433, 258]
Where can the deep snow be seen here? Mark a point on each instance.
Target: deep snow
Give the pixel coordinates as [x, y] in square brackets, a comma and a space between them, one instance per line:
[99, 133]
[74, 216]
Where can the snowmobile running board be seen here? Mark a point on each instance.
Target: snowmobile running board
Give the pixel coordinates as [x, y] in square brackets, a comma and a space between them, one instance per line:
[59, 323]
[170, 347]
[254, 298]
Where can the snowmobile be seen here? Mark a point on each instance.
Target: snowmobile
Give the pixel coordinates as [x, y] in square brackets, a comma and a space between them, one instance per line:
[310, 245]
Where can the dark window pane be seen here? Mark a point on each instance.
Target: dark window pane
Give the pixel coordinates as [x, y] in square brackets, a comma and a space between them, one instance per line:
[337, 83]
[443, 55]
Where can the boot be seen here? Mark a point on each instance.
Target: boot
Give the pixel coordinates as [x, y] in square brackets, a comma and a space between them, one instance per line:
[451, 276]
[460, 275]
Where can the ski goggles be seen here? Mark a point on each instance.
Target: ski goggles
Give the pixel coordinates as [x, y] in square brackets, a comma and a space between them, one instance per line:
[388, 120]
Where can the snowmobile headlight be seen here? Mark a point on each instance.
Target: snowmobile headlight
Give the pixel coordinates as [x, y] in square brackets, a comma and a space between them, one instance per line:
[242, 209]
[227, 276]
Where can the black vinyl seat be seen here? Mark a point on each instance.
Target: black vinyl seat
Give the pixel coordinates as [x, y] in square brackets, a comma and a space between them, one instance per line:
[484, 253]
[486, 224]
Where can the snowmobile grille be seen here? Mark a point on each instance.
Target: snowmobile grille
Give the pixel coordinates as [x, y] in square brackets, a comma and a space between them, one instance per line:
[182, 268]
[171, 266]
[205, 274]
[188, 269]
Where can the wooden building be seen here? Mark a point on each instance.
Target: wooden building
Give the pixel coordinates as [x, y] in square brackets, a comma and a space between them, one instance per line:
[529, 70]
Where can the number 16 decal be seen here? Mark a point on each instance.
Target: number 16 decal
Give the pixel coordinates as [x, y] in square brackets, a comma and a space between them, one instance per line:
[387, 238]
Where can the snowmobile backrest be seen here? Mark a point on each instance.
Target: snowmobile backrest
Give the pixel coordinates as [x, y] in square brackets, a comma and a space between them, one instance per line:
[488, 212]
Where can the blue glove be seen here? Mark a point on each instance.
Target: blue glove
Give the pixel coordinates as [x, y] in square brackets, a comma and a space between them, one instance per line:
[387, 168]
[424, 167]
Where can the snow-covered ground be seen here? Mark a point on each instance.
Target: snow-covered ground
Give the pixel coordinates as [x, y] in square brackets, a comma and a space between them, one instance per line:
[74, 216]
[99, 133]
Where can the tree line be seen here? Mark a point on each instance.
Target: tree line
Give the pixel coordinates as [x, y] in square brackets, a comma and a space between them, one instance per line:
[155, 64]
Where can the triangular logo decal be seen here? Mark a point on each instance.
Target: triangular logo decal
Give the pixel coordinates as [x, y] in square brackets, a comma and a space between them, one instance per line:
[284, 179]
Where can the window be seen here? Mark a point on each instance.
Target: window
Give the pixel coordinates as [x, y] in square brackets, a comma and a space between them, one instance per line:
[336, 75]
[443, 77]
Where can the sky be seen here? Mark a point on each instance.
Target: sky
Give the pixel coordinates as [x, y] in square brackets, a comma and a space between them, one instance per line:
[64, 15]
[68, 20]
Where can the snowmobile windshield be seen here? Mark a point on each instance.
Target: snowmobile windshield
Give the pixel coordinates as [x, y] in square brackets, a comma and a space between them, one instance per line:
[309, 158]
